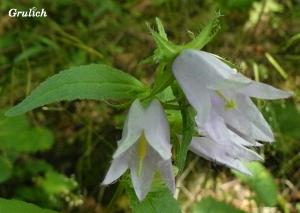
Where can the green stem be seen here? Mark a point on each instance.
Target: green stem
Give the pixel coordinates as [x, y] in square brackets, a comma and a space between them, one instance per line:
[187, 134]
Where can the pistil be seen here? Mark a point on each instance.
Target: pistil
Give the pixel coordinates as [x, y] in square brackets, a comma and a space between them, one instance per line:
[142, 152]
[229, 103]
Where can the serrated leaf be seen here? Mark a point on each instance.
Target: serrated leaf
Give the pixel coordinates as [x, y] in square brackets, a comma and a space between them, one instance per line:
[155, 202]
[27, 139]
[94, 81]
[261, 182]
[210, 205]
[17, 206]
[5, 169]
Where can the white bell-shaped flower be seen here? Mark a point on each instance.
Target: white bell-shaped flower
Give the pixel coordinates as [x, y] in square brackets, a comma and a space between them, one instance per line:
[223, 145]
[144, 149]
[202, 75]
[226, 116]
[210, 84]
[232, 155]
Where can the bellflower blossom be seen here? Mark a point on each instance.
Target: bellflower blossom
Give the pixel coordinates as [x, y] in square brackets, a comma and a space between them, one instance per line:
[226, 116]
[224, 145]
[231, 155]
[144, 149]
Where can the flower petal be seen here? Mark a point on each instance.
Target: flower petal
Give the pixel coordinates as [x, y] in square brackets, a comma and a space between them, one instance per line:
[201, 103]
[166, 171]
[132, 129]
[264, 91]
[260, 135]
[243, 140]
[220, 134]
[142, 181]
[230, 75]
[216, 128]
[255, 116]
[245, 117]
[117, 168]
[232, 117]
[212, 151]
[157, 131]
[191, 81]
[243, 153]
[203, 68]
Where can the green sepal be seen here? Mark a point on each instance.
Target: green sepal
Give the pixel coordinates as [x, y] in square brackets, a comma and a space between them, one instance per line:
[166, 50]
[205, 35]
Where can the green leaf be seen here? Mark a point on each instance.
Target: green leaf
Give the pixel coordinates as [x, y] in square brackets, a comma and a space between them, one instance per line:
[16, 206]
[36, 195]
[188, 125]
[261, 182]
[166, 95]
[27, 139]
[5, 169]
[156, 202]
[49, 189]
[175, 120]
[54, 183]
[210, 205]
[287, 118]
[31, 167]
[94, 81]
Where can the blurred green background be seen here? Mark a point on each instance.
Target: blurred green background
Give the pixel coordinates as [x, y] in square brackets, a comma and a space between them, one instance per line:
[57, 156]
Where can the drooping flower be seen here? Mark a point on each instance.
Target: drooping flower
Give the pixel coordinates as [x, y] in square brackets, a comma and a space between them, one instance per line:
[223, 145]
[209, 83]
[226, 115]
[143, 149]
[201, 75]
[232, 155]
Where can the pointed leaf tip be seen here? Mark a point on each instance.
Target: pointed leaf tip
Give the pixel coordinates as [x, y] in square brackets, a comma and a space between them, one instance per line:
[94, 81]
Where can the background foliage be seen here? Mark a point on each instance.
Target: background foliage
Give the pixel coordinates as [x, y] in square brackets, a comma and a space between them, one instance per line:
[57, 156]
